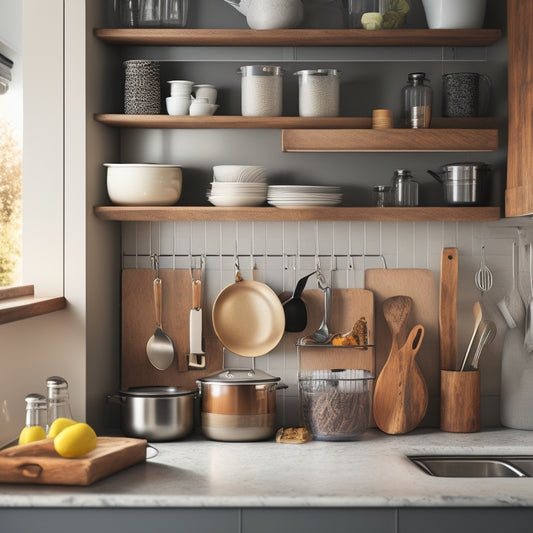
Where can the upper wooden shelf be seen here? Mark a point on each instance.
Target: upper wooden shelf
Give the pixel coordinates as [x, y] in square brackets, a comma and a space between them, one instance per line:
[269, 214]
[297, 37]
[237, 121]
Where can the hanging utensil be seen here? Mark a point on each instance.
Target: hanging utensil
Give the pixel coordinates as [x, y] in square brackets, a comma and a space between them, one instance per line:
[321, 335]
[483, 277]
[449, 271]
[486, 337]
[159, 347]
[196, 356]
[295, 308]
[478, 316]
[511, 305]
[528, 338]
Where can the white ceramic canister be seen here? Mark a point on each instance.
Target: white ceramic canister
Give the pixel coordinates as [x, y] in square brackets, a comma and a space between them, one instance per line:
[319, 92]
[454, 14]
[261, 91]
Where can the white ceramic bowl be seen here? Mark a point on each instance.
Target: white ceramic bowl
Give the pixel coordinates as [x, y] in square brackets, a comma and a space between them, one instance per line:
[454, 14]
[180, 87]
[143, 184]
[206, 91]
[178, 105]
[240, 173]
[202, 109]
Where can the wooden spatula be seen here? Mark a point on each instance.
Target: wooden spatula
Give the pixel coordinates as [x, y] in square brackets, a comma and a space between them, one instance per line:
[449, 267]
[400, 394]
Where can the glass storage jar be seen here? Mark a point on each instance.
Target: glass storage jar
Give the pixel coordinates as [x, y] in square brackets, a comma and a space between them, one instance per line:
[261, 91]
[58, 400]
[318, 92]
[376, 14]
[405, 189]
[163, 13]
[383, 196]
[36, 409]
[417, 98]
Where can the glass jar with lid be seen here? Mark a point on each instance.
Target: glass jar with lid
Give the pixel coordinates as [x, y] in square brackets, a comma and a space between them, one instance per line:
[376, 14]
[318, 92]
[36, 410]
[58, 399]
[405, 189]
[417, 98]
[261, 91]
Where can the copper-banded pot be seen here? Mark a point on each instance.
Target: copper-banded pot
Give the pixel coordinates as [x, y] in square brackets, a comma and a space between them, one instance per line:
[239, 405]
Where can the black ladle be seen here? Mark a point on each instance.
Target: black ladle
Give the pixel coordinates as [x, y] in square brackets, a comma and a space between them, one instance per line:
[295, 308]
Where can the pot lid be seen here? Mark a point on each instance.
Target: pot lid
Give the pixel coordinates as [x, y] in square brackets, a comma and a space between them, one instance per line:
[466, 164]
[239, 375]
[156, 392]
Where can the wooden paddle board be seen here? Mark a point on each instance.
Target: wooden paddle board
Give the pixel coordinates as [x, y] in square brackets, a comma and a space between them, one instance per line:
[38, 462]
[421, 286]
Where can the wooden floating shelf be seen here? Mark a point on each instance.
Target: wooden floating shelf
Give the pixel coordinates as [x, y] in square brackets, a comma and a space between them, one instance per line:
[240, 122]
[390, 140]
[297, 37]
[272, 214]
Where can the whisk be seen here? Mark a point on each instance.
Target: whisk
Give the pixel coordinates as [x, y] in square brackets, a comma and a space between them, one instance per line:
[483, 277]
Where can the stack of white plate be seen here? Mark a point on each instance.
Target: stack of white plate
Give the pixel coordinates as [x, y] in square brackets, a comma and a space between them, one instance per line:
[237, 194]
[303, 195]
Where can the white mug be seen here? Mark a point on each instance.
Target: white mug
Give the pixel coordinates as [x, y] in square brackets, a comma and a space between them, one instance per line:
[206, 91]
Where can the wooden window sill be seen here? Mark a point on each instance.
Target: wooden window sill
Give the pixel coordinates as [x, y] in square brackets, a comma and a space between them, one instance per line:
[18, 303]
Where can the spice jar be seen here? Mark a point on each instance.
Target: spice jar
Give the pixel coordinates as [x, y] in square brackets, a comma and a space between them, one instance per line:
[416, 101]
[261, 91]
[36, 409]
[405, 189]
[376, 14]
[318, 92]
[58, 401]
[383, 196]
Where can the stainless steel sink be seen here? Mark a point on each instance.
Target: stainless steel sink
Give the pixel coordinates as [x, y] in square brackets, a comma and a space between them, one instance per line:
[472, 466]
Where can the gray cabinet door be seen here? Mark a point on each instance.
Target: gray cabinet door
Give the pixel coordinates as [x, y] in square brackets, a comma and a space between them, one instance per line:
[485, 520]
[119, 520]
[319, 520]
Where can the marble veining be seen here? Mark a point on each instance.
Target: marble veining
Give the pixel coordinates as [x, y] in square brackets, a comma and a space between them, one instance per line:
[371, 472]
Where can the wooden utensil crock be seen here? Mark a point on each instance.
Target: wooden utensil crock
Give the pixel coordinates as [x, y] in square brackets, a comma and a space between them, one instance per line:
[460, 401]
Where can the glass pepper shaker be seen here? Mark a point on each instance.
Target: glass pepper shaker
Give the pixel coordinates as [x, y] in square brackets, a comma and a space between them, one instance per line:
[58, 399]
[417, 98]
[36, 410]
[405, 189]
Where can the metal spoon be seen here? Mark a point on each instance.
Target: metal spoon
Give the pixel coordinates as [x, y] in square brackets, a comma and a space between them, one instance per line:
[295, 308]
[159, 347]
[488, 332]
[321, 335]
[478, 315]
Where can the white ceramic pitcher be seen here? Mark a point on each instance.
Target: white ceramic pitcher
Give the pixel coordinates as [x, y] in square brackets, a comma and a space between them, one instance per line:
[270, 14]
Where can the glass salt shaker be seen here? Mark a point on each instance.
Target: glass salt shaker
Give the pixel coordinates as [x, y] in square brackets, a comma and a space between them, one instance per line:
[405, 189]
[383, 196]
[417, 98]
[36, 410]
[58, 399]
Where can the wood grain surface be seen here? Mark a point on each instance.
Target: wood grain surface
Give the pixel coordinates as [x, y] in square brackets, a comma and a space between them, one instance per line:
[449, 273]
[38, 462]
[460, 401]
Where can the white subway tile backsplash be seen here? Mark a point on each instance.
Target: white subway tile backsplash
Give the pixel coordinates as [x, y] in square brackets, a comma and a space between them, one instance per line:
[279, 253]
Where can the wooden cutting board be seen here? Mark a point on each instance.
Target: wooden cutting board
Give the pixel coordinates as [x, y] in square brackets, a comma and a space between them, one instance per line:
[347, 306]
[38, 462]
[421, 286]
[138, 325]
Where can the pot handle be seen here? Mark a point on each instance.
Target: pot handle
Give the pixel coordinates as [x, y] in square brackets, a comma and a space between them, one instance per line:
[278, 386]
[116, 398]
[435, 175]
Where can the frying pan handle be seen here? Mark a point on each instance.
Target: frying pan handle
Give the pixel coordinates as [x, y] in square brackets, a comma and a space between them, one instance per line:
[435, 175]
[196, 294]
[278, 386]
[158, 301]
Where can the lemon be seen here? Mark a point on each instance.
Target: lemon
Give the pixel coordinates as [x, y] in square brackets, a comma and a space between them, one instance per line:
[75, 440]
[372, 21]
[58, 425]
[31, 434]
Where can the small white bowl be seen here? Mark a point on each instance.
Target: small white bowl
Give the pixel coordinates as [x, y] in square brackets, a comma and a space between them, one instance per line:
[143, 184]
[240, 173]
[202, 108]
[206, 91]
[180, 87]
[178, 105]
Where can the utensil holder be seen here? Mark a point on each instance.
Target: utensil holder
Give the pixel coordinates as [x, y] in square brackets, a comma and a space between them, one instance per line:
[142, 93]
[460, 401]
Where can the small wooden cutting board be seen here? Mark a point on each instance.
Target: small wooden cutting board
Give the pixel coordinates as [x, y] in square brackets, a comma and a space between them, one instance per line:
[38, 462]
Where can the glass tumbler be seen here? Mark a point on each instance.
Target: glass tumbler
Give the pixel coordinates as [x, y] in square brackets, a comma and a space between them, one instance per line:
[175, 13]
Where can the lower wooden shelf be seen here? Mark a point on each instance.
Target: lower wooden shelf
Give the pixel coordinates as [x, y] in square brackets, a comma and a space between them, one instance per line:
[267, 214]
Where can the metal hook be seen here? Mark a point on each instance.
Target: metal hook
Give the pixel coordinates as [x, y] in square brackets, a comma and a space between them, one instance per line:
[155, 264]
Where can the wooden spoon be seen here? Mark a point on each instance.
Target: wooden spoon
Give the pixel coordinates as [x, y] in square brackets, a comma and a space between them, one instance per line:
[396, 311]
[400, 394]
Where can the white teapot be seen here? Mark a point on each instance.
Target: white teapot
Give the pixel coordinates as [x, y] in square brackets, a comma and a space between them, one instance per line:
[270, 14]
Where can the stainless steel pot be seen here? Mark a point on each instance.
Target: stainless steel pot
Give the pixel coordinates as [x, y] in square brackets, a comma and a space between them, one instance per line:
[464, 183]
[239, 405]
[156, 413]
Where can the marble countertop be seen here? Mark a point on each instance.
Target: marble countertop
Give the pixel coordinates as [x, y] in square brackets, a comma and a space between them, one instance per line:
[371, 472]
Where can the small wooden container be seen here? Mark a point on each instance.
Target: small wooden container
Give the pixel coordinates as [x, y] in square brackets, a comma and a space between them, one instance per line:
[460, 401]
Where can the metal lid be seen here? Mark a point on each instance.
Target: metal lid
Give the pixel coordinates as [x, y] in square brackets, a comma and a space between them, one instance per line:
[417, 76]
[239, 375]
[35, 399]
[475, 164]
[319, 72]
[156, 392]
[261, 70]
